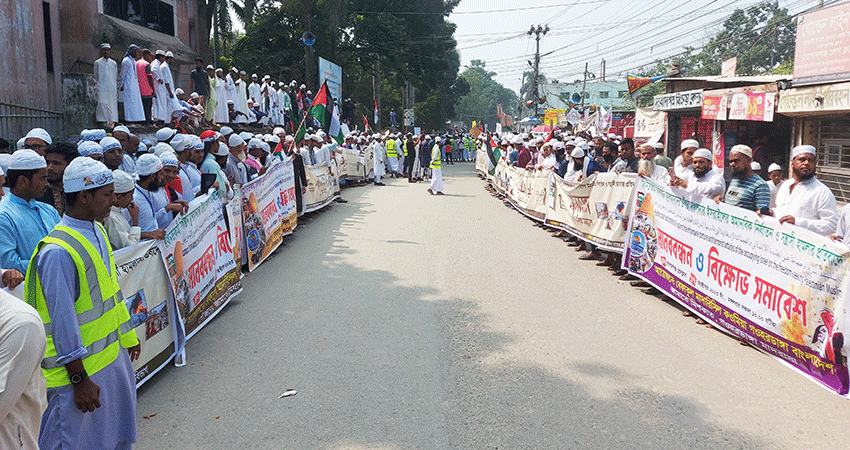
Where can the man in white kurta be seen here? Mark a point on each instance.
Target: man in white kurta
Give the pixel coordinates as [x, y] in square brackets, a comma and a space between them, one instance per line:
[106, 74]
[221, 115]
[241, 97]
[254, 91]
[161, 106]
[230, 85]
[171, 104]
[133, 109]
[23, 395]
[702, 181]
[379, 160]
[803, 200]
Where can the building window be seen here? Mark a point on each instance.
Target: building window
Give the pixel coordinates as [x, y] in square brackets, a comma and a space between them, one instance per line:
[603, 94]
[152, 14]
[623, 94]
[48, 35]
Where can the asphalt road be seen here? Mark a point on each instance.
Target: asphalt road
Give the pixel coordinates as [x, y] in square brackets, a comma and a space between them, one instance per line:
[411, 321]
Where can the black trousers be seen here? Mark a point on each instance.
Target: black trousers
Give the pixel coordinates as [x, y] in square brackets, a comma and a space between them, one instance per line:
[147, 104]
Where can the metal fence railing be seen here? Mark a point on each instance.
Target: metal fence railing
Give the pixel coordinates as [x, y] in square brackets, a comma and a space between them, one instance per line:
[17, 120]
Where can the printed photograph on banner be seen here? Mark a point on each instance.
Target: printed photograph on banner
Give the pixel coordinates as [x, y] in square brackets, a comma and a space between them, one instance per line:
[137, 307]
[156, 321]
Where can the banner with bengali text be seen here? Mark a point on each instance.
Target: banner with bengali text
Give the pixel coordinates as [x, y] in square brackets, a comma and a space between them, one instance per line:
[596, 210]
[261, 216]
[782, 289]
[322, 187]
[526, 190]
[200, 262]
[350, 166]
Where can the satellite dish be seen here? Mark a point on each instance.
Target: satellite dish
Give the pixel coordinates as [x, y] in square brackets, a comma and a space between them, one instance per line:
[575, 98]
[308, 38]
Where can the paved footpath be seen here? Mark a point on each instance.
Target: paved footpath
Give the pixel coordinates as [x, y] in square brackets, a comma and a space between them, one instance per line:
[411, 321]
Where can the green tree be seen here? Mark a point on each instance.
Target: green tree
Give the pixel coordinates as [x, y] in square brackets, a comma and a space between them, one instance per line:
[484, 95]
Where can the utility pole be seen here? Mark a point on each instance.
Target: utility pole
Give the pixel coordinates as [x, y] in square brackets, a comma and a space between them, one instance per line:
[537, 31]
[583, 86]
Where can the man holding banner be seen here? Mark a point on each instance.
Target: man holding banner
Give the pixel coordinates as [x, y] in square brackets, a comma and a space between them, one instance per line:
[803, 200]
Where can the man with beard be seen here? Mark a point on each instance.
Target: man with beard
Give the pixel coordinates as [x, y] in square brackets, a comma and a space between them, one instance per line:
[803, 200]
[647, 166]
[702, 181]
[58, 156]
[155, 211]
[746, 190]
[607, 156]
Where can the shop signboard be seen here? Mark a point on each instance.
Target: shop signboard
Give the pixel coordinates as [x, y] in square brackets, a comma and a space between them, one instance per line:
[714, 108]
[752, 106]
[678, 101]
[822, 51]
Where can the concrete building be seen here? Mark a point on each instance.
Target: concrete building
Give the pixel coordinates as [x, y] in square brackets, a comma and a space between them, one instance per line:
[610, 94]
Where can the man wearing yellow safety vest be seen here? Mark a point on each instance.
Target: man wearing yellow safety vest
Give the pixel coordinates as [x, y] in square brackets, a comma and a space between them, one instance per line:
[392, 155]
[436, 172]
[72, 282]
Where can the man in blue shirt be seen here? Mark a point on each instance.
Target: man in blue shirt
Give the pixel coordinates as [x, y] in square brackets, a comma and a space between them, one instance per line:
[23, 220]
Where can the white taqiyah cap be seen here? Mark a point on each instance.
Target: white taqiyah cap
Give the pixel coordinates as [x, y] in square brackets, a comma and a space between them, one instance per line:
[255, 143]
[148, 164]
[161, 148]
[164, 134]
[181, 142]
[123, 182]
[278, 130]
[27, 159]
[197, 143]
[289, 138]
[773, 167]
[742, 149]
[438, 139]
[273, 140]
[159, 53]
[108, 143]
[703, 153]
[194, 96]
[577, 152]
[235, 140]
[122, 129]
[210, 67]
[755, 165]
[83, 174]
[267, 148]
[105, 45]
[92, 135]
[800, 149]
[222, 150]
[88, 148]
[5, 159]
[39, 133]
[20, 143]
[688, 143]
[246, 136]
[169, 159]
[226, 131]
[169, 54]
[178, 91]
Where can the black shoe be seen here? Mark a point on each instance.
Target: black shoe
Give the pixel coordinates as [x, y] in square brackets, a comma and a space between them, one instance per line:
[380, 184]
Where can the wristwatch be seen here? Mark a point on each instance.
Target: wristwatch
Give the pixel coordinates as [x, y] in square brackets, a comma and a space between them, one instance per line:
[77, 378]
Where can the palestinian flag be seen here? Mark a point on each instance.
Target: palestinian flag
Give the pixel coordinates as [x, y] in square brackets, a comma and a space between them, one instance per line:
[324, 111]
[376, 113]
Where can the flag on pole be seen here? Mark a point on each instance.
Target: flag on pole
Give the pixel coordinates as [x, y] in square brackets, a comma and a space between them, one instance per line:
[376, 113]
[365, 123]
[636, 83]
[324, 111]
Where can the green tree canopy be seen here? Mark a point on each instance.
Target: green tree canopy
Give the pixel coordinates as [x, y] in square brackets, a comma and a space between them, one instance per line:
[484, 94]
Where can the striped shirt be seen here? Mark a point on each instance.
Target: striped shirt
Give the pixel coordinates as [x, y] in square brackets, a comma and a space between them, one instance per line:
[751, 193]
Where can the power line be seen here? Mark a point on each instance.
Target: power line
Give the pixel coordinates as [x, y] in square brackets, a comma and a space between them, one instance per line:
[488, 11]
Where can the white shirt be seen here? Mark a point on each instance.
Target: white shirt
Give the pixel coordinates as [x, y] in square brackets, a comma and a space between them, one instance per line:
[254, 93]
[121, 234]
[843, 228]
[710, 185]
[23, 389]
[682, 171]
[774, 188]
[811, 204]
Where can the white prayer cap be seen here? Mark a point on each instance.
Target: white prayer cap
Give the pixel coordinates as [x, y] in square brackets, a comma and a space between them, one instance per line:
[255, 144]
[278, 130]
[121, 129]
[800, 149]
[39, 133]
[105, 45]
[169, 159]
[703, 153]
[518, 140]
[83, 174]
[108, 143]
[577, 152]
[197, 143]
[246, 136]
[289, 138]
[233, 69]
[773, 167]
[142, 148]
[267, 148]
[611, 136]
[585, 146]
[659, 146]
[261, 136]
[161, 148]
[303, 86]
[557, 145]
[194, 96]
[27, 159]
[181, 142]
[235, 140]
[159, 53]
[5, 159]
[219, 70]
[169, 54]
[688, 143]
[148, 164]
[123, 182]
[226, 131]
[86, 148]
[755, 165]
[273, 139]
[92, 135]
[504, 141]
[20, 144]
[210, 67]
[267, 77]
[253, 75]
[222, 150]
[164, 134]
[178, 91]
[317, 138]
[242, 72]
[742, 149]
[230, 102]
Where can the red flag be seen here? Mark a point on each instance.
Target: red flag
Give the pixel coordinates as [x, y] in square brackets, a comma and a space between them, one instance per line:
[365, 123]
[376, 113]
[551, 135]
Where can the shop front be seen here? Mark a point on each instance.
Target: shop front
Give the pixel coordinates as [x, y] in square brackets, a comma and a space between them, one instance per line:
[684, 119]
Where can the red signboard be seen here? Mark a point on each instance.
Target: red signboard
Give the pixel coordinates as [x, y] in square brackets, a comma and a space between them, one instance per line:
[822, 53]
[714, 108]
